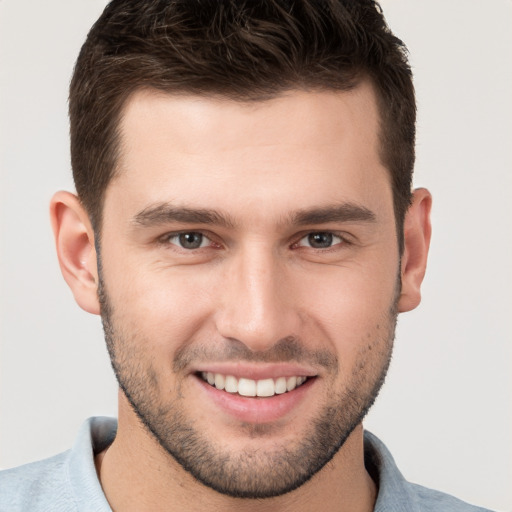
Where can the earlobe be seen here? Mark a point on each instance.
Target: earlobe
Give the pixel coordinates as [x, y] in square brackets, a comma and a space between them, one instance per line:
[74, 240]
[417, 232]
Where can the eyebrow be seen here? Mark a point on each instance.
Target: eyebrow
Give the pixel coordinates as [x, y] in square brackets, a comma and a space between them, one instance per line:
[164, 213]
[346, 212]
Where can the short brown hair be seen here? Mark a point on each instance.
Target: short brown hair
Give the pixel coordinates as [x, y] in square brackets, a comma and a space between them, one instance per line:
[241, 49]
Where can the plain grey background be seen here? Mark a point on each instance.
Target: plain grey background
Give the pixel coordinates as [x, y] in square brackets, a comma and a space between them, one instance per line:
[445, 411]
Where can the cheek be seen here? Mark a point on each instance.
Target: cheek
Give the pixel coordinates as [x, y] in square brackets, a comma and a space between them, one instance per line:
[164, 307]
[353, 308]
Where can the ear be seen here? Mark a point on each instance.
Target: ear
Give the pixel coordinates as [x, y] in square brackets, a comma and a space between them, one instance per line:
[417, 231]
[74, 240]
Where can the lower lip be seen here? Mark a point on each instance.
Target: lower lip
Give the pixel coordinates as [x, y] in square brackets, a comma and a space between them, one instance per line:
[257, 410]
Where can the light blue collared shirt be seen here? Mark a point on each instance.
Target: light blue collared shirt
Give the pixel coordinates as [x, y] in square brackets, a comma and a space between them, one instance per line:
[68, 482]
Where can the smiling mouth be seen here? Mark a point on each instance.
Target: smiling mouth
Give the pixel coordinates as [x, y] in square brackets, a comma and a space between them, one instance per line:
[250, 387]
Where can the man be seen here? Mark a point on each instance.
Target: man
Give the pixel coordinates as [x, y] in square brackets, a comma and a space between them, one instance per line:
[245, 226]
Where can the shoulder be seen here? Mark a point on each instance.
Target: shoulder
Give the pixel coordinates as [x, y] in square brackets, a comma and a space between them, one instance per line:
[430, 500]
[396, 493]
[67, 482]
[37, 487]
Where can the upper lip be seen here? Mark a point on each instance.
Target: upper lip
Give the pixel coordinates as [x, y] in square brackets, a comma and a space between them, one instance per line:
[257, 371]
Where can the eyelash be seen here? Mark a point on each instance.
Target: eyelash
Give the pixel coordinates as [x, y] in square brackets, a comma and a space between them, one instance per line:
[166, 240]
[333, 234]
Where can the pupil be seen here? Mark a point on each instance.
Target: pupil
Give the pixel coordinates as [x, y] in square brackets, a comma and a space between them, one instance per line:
[191, 240]
[320, 240]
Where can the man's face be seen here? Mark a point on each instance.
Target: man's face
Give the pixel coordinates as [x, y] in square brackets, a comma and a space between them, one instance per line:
[252, 246]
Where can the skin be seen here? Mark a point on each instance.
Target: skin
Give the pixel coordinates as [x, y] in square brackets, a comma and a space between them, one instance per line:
[254, 284]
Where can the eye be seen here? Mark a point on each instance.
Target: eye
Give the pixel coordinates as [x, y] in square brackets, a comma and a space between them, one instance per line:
[189, 240]
[320, 240]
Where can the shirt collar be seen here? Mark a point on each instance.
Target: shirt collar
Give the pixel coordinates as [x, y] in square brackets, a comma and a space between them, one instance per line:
[394, 492]
[96, 434]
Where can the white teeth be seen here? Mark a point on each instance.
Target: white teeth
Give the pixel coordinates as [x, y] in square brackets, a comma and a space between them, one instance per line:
[291, 383]
[219, 381]
[265, 387]
[231, 384]
[280, 386]
[247, 387]
[250, 387]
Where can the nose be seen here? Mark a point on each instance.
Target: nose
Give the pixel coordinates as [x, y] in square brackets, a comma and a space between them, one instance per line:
[257, 305]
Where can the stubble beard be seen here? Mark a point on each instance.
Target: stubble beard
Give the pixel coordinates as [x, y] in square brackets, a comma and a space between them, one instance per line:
[251, 473]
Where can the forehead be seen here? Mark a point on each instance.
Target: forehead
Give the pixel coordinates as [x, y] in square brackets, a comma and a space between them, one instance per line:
[263, 152]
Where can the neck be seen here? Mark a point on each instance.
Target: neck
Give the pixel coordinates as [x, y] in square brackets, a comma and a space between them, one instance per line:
[137, 474]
